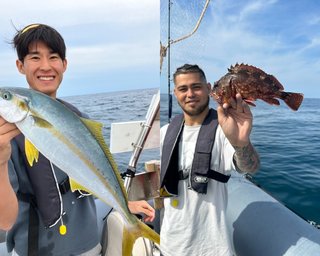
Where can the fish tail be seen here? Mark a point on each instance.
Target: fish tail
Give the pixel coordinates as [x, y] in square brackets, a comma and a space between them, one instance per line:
[293, 100]
[132, 234]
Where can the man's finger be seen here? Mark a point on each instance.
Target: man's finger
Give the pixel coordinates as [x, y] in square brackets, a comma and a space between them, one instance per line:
[239, 103]
[246, 108]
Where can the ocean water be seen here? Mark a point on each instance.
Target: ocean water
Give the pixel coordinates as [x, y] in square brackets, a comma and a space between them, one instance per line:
[116, 107]
[288, 143]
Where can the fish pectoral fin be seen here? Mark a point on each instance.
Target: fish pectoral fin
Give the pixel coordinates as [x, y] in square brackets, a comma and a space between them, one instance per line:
[76, 186]
[32, 154]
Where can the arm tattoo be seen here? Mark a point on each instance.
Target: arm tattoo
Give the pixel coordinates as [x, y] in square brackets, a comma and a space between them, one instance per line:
[246, 159]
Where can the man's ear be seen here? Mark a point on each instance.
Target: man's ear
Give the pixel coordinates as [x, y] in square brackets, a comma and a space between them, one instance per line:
[20, 66]
[65, 64]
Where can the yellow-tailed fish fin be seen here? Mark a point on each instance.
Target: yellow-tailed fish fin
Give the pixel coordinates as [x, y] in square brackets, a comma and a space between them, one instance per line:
[76, 186]
[31, 152]
[164, 192]
[131, 235]
[96, 129]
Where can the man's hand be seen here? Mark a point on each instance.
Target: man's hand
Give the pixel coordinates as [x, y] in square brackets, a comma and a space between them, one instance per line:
[8, 202]
[142, 206]
[235, 120]
[7, 132]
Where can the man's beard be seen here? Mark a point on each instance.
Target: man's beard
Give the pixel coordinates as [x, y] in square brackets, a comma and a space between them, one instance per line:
[196, 111]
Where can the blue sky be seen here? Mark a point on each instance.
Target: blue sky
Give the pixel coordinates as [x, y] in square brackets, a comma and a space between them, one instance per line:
[280, 37]
[112, 45]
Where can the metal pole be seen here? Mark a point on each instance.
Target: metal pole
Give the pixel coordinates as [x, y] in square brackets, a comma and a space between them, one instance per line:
[153, 110]
[169, 77]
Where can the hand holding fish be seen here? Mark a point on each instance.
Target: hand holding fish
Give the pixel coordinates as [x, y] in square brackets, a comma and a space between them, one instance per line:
[235, 119]
[142, 206]
[7, 132]
[8, 203]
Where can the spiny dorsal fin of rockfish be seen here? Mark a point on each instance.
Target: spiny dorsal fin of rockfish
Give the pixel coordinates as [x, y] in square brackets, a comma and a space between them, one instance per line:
[96, 129]
[32, 153]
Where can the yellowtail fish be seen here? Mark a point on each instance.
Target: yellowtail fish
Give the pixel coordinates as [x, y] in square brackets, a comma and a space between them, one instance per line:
[75, 145]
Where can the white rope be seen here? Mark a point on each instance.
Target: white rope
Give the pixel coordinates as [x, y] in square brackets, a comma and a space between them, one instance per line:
[196, 27]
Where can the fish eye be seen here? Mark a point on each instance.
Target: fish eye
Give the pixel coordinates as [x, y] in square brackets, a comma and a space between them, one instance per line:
[7, 96]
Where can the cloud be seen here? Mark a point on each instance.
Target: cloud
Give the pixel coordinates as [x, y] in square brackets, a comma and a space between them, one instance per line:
[260, 33]
[253, 7]
[101, 36]
[73, 12]
[314, 20]
[111, 57]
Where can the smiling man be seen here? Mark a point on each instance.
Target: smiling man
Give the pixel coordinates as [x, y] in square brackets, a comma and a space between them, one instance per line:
[43, 68]
[36, 202]
[199, 149]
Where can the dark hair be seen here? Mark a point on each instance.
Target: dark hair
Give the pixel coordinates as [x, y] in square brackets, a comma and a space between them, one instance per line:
[35, 33]
[186, 69]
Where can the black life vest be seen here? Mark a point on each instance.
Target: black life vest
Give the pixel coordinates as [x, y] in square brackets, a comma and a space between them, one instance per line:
[200, 170]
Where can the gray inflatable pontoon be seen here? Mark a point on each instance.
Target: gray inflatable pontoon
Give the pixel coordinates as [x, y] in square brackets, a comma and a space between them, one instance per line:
[261, 225]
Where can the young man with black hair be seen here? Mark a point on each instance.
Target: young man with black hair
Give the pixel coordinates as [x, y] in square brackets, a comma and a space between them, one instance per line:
[42, 59]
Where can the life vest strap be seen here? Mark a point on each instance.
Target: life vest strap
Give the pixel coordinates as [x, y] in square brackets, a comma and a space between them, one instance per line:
[33, 229]
[212, 174]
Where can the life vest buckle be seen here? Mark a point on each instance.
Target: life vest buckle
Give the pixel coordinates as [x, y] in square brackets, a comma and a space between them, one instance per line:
[200, 179]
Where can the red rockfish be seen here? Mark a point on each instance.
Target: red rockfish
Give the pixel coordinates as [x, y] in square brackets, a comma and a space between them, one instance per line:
[253, 83]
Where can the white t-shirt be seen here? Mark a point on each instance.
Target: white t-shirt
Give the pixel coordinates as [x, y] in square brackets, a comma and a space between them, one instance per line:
[195, 224]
